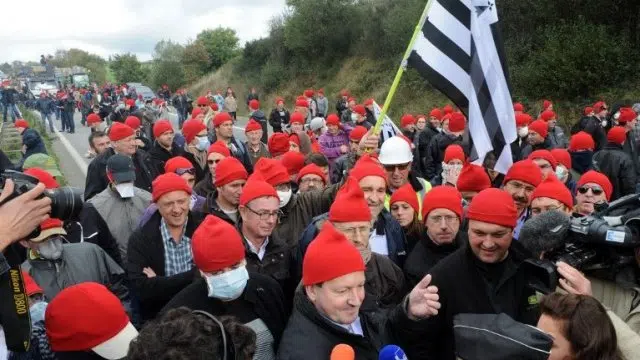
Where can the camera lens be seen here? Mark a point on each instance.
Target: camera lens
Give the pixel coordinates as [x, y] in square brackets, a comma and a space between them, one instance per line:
[66, 202]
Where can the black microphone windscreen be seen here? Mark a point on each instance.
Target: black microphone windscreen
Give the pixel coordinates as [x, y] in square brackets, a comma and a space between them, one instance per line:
[545, 232]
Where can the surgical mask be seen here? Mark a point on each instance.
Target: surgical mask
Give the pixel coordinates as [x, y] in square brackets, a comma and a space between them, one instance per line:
[125, 190]
[604, 123]
[228, 285]
[523, 131]
[562, 173]
[285, 197]
[203, 143]
[50, 249]
[354, 117]
[37, 311]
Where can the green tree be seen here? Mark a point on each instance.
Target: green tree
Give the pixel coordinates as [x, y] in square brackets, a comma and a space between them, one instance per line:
[96, 65]
[126, 68]
[221, 45]
[167, 67]
[195, 61]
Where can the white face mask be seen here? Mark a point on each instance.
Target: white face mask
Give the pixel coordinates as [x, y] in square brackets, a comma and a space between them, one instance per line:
[125, 190]
[228, 285]
[523, 131]
[562, 173]
[616, 115]
[604, 123]
[50, 249]
[37, 311]
[354, 117]
[285, 197]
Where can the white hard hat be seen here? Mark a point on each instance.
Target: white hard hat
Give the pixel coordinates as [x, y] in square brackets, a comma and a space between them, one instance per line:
[395, 150]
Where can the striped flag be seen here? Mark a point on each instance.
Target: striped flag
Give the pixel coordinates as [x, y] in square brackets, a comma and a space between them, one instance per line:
[459, 51]
[389, 128]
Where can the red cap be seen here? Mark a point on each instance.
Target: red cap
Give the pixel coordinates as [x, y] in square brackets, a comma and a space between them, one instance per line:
[617, 135]
[333, 119]
[308, 93]
[366, 166]
[457, 122]
[279, 100]
[191, 128]
[296, 118]
[254, 104]
[228, 170]
[195, 112]
[598, 106]
[256, 187]
[448, 109]
[177, 162]
[161, 126]
[311, 169]
[21, 123]
[518, 107]
[120, 131]
[216, 245]
[252, 125]
[595, 177]
[359, 109]
[546, 104]
[523, 119]
[548, 115]
[294, 138]
[473, 178]
[493, 206]
[436, 113]
[350, 204]
[562, 156]
[93, 118]
[30, 285]
[357, 133]
[351, 99]
[293, 161]
[626, 114]
[272, 171]
[130, 102]
[330, 255]
[544, 155]
[133, 122]
[553, 189]
[368, 102]
[588, 110]
[219, 147]
[407, 194]
[302, 103]
[407, 119]
[44, 177]
[442, 197]
[221, 118]
[202, 100]
[278, 144]
[344, 92]
[526, 171]
[321, 91]
[581, 141]
[167, 183]
[540, 127]
[214, 106]
[454, 151]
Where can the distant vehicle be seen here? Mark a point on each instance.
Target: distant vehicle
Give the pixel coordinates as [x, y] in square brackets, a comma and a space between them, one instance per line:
[145, 91]
[75, 75]
[38, 85]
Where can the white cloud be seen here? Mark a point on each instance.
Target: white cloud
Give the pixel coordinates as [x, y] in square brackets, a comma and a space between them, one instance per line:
[31, 28]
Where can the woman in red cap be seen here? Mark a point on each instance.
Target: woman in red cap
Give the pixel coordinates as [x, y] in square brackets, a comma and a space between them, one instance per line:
[406, 210]
[279, 116]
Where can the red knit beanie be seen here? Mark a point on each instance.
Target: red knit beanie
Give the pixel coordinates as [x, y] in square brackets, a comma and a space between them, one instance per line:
[195, 112]
[167, 183]
[311, 169]
[359, 109]
[617, 135]
[202, 100]
[177, 162]
[308, 93]
[221, 118]
[294, 138]
[219, 147]
[302, 103]
[44, 177]
[518, 107]
[216, 245]
[588, 110]
[230, 169]
[626, 114]
[562, 156]
[254, 104]
[333, 119]
[493, 206]
[214, 106]
[407, 119]
[272, 171]
[523, 119]
[599, 106]
[473, 178]
[293, 161]
[161, 127]
[581, 141]
[256, 187]
[330, 255]
[296, 118]
[367, 166]
[457, 122]
[595, 177]
[133, 122]
[553, 189]
[544, 155]
[548, 115]
[526, 171]
[278, 144]
[407, 194]
[120, 131]
[442, 197]
[546, 104]
[93, 118]
[252, 125]
[130, 102]
[369, 102]
[540, 127]
[30, 285]
[448, 109]
[436, 113]
[191, 128]
[279, 99]
[350, 204]
[453, 151]
[357, 133]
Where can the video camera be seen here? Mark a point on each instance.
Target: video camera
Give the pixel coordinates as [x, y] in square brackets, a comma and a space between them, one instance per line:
[601, 244]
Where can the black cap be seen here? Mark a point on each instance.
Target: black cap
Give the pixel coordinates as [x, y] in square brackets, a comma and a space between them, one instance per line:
[121, 169]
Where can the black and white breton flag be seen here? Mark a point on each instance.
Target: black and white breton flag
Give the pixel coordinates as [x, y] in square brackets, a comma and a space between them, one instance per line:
[460, 52]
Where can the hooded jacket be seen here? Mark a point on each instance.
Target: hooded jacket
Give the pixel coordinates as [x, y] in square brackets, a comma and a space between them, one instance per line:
[33, 142]
[435, 153]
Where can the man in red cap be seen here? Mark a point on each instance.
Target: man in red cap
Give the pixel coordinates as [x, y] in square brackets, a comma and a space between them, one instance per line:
[581, 149]
[163, 148]
[616, 164]
[563, 169]
[433, 128]
[594, 123]
[278, 145]
[196, 145]
[345, 162]
[537, 138]
[31, 140]
[223, 131]
[487, 272]
[311, 178]
[550, 195]
[296, 123]
[228, 286]
[628, 120]
[279, 116]
[258, 115]
[342, 104]
[471, 181]
[123, 142]
[159, 257]
[452, 134]
[255, 147]
[556, 136]
[347, 114]
[594, 188]
[216, 153]
[323, 104]
[408, 126]
[141, 139]
[229, 182]
[545, 161]
[359, 117]
[520, 181]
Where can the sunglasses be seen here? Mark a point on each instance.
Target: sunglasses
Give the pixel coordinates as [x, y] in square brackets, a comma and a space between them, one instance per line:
[595, 190]
[182, 171]
[400, 167]
[211, 162]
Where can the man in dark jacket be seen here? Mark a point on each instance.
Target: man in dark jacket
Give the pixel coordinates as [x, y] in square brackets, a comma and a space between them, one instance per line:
[537, 138]
[68, 110]
[628, 120]
[484, 277]
[31, 141]
[279, 116]
[439, 143]
[163, 147]
[159, 257]
[342, 105]
[594, 124]
[258, 115]
[223, 201]
[253, 95]
[9, 96]
[223, 124]
[46, 107]
[424, 139]
[123, 142]
[616, 164]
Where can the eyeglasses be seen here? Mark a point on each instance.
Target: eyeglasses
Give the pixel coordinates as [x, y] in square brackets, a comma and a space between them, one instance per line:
[211, 162]
[182, 171]
[594, 189]
[400, 167]
[448, 219]
[265, 215]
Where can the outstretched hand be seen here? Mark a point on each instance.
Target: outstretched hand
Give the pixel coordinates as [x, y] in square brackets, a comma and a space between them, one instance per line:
[573, 281]
[423, 300]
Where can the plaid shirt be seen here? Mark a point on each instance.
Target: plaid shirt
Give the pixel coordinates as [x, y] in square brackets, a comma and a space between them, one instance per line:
[177, 256]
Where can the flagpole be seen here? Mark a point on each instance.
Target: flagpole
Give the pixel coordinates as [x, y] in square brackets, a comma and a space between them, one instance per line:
[401, 69]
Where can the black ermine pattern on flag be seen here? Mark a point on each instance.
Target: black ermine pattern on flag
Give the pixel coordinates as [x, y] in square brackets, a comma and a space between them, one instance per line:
[460, 52]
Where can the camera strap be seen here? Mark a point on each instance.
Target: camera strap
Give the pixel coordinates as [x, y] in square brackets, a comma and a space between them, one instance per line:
[14, 310]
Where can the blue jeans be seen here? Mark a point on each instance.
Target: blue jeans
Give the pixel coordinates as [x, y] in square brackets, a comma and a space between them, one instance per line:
[14, 112]
[48, 118]
[67, 121]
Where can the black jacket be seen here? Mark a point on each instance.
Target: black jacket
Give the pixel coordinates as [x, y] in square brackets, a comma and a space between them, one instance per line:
[239, 150]
[341, 107]
[618, 167]
[211, 207]
[261, 118]
[435, 154]
[631, 147]
[466, 285]
[426, 254]
[581, 162]
[342, 166]
[261, 293]
[528, 149]
[592, 126]
[422, 148]
[517, 147]
[277, 121]
[146, 249]
[95, 230]
[33, 142]
[97, 173]
[159, 155]
[205, 186]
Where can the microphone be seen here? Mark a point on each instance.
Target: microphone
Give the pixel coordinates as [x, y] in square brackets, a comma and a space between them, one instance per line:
[342, 352]
[545, 232]
[392, 352]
